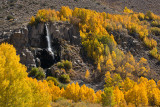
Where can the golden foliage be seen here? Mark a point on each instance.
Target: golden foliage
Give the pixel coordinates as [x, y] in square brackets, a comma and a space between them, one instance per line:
[102, 48]
[65, 13]
[87, 74]
[126, 10]
[16, 89]
[151, 43]
[155, 54]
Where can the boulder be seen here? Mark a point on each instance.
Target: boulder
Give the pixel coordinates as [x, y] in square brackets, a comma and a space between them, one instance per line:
[27, 58]
[19, 39]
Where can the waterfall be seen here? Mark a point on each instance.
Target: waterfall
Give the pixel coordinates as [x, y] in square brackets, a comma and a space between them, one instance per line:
[49, 41]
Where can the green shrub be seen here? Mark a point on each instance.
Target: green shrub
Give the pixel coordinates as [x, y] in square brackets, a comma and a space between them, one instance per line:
[41, 75]
[53, 80]
[37, 73]
[60, 65]
[150, 15]
[67, 65]
[141, 16]
[155, 23]
[61, 85]
[155, 54]
[64, 78]
[10, 17]
[33, 72]
[155, 31]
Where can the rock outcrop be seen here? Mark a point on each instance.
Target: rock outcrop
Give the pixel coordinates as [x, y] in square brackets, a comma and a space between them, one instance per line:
[31, 44]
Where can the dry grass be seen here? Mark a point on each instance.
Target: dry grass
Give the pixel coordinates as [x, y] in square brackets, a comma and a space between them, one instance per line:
[70, 103]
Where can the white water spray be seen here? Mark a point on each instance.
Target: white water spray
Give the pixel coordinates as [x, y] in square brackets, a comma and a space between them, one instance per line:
[49, 41]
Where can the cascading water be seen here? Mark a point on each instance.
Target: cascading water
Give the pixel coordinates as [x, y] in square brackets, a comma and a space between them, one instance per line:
[49, 40]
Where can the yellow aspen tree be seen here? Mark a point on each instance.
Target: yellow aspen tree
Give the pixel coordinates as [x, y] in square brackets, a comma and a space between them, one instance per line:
[137, 95]
[143, 81]
[41, 96]
[77, 88]
[91, 96]
[14, 89]
[131, 59]
[143, 67]
[119, 96]
[112, 38]
[65, 13]
[126, 10]
[114, 57]
[99, 96]
[99, 67]
[82, 92]
[116, 79]
[108, 97]
[88, 94]
[129, 68]
[69, 91]
[55, 91]
[151, 85]
[158, 84]
[32, 20]
[156, 96]
[128, 84]
[110, 65]
[108, 79]
[72, 92]
[87, 74]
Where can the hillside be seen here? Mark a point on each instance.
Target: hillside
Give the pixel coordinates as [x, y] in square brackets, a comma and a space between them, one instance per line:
[136, 5]
[22, 10]
[88, 53]
[22, 13]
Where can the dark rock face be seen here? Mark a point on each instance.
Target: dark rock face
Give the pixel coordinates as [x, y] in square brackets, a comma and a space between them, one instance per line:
[46, 58]
[19, 39]
[37, 36]
[31, 43]
[127, 42]
[65, 31]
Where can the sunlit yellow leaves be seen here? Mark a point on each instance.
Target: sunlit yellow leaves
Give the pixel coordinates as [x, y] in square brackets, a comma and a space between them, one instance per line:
[55, 91]
[65, 13]
[151, 43]
[87, 74]
[110, 65]
[118, 95]
[154, 53]
[40, 93]
[14, 90]
[126, 10]
[158, 84]
[83, 93]
[45, 15]
[137, 95]
[32, 21]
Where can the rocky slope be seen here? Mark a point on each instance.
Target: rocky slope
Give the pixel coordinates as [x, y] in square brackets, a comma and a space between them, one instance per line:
[136, 5]
[22, 10]
[31, 44]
